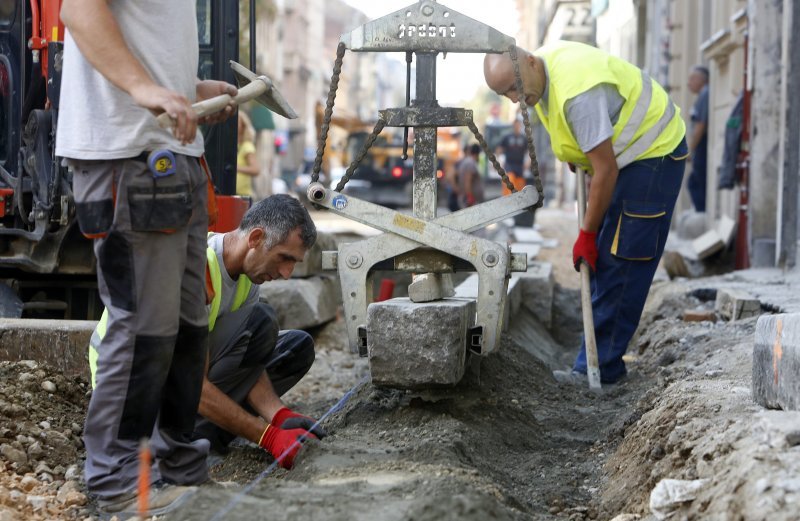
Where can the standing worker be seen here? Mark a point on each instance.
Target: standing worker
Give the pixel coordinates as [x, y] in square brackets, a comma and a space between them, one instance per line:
[608, 117]
[514, 147]
[141, 194]
[251, 363]
[698, 137]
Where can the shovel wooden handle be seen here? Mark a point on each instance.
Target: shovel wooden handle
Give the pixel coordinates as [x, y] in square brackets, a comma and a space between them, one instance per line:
[210, 106]
[592, 362]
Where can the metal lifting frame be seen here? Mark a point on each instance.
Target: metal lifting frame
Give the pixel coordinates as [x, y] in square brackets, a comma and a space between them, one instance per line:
[423, 243]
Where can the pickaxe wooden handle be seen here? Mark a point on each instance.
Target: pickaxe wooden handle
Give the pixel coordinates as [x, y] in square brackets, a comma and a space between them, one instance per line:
[251, 91]
[592, 362]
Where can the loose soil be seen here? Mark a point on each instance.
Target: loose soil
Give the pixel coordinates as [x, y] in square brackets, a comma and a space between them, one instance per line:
[507, 443]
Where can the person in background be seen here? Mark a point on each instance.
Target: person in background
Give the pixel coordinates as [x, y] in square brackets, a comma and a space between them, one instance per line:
[698, 137]
[469, 177]
[514, 146]
[246, 162]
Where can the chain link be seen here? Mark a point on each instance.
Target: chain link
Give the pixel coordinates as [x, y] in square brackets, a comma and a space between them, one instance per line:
[326, 122]
[490, 155]
[361, 154]
[523, 106]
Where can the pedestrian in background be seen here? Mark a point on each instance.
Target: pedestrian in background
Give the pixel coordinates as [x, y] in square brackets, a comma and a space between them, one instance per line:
[610, 118]
[514, 147]
[246, 162]
[469, 177]
[141, 194]
[698, 142]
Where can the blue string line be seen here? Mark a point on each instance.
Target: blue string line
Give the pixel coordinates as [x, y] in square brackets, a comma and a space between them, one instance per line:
[246, 490]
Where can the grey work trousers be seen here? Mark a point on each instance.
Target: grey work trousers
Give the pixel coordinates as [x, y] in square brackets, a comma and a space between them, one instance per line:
[150, 244]
[242, 346]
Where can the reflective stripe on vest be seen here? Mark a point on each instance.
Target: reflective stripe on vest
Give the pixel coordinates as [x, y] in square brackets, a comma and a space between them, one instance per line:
[649, 124]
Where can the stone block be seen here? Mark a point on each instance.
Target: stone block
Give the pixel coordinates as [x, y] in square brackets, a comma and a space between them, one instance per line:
[522, 234]
[736, 305]
[303, 303]
[776, 361]
[707, 244]
[726, 228]
[417, 345]
[312, 262]
[62, 344]
[537, 288]
[431, 286]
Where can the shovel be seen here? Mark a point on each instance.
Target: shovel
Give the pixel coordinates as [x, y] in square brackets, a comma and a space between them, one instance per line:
[251, 87]
[592, 363]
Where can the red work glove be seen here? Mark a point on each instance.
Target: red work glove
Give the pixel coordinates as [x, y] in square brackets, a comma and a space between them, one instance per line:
[470, 200]
[585, 249]
[283, 442]
[286, 418]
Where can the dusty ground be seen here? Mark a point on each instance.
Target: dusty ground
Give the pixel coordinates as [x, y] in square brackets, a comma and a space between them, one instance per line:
[507, 443]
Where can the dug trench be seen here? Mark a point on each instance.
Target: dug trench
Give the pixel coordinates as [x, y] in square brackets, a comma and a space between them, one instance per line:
[506, 443]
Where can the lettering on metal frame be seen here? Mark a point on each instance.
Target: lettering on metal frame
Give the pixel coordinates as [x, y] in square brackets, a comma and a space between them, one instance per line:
[426, 31]
[409, 223]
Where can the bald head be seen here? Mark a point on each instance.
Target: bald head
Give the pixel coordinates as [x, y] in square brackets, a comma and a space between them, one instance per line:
[498, 70]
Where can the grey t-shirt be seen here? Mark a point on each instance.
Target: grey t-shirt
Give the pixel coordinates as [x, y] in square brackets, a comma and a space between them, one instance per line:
[99, 121]
[700, 108]
[591, 115]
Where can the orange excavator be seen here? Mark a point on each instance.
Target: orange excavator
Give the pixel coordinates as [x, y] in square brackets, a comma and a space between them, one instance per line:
[46, 266]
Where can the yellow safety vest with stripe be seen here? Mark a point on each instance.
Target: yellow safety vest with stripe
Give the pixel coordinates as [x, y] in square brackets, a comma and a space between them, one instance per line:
[649, 123]
[213, 294]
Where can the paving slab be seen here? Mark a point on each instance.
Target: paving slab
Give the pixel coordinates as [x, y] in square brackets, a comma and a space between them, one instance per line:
[529, 235]
[733, 304]
[62, 344]
[312, 262]
[776, 362]
[416, 345]
[428, 287]
[708, 244]
[303, 303]
[538, 285]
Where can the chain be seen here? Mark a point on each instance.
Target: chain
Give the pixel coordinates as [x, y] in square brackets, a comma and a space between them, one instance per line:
[512, 51]
[326, 122]
[490, 155]
[361, 154]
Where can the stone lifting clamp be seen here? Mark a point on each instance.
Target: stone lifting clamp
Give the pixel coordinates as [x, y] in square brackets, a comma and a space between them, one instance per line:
[424, 243]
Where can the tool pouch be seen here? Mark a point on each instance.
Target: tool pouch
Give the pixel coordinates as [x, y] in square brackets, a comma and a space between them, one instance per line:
[638, 230]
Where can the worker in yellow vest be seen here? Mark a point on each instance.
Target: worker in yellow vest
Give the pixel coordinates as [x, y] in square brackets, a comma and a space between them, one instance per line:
[610, 118]
[250, 362]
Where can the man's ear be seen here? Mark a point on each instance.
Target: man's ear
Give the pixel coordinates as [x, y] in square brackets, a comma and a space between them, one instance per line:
[255, 238]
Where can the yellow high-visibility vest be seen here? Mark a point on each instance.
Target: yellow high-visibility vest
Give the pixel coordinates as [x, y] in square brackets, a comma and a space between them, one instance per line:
[649, 122]
[213, 276]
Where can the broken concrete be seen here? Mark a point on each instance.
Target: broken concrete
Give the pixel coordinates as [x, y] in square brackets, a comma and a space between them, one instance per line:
[62, 344]
[736, 305]
[303, 303]
[776, 362]
[431, 286]
[414, 345]
[312, 262]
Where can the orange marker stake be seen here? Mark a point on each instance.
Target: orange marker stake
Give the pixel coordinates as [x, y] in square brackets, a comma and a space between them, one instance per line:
[144, 477]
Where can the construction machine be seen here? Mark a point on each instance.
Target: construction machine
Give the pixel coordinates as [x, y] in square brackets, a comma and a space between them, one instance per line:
[47, 267]
[427, 341]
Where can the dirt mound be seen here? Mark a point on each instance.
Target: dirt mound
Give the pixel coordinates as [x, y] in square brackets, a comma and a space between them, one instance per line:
[41, 420]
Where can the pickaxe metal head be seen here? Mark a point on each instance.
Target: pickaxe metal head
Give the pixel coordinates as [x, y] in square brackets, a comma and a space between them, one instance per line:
[271, 98]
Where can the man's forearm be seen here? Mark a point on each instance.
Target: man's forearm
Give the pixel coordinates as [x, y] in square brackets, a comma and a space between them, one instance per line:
[697, 135]
[96, 32]
[219, 409]
[602, 189]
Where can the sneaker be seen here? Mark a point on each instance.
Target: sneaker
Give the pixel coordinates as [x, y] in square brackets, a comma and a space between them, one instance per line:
[570, 377]
[163, 498]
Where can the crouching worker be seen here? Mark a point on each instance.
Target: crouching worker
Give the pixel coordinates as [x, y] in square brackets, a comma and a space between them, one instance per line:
[251, 363]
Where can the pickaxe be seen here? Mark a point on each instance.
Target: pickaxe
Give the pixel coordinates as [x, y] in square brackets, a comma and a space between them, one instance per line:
[251, 87]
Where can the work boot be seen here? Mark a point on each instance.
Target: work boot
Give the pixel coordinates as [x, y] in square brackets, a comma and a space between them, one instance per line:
[570, 377]
[163, 498]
